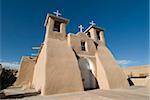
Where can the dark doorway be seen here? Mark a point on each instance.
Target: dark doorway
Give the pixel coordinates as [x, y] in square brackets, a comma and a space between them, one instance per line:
[88, 78]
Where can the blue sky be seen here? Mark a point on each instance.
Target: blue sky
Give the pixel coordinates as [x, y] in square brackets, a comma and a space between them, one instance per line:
[126, 23]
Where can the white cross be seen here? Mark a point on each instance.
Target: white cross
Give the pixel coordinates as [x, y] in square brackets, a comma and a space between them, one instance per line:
[33, 54]
[57, 13]
[92, 23]
[35, 48]
[81, 28]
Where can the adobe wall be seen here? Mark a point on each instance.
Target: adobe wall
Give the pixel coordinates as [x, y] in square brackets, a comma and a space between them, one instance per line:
[25, 74]
[85, 58]
[139, 81]
[75, 42]
[109, 73]
[39, 71]
[147, 84]
[62, 70]
[57, 69]
[52, 34]
[137, 70]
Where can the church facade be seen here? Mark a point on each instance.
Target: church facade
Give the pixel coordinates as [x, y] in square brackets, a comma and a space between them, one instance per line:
[71, 62]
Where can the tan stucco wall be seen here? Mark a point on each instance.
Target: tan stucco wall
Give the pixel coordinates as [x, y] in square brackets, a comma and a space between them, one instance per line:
[39, 71]
[106, 68]
[75, 43]
[62, 71]
[102, 38]
[57, 68]
[147, 84]
[25, 74]
[137, 70]
[95, 37]
[139, 81]
[93, 34]
[52, 34]
[109, 73]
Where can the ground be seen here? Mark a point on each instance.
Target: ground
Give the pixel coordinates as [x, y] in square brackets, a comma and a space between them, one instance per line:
[131, 93]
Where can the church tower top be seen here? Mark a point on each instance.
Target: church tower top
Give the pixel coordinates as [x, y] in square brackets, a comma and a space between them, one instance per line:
[55, 26]
[96, 33]
[93, 26]
[56, 17]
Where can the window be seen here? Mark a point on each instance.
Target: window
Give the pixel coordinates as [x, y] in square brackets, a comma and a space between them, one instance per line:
[83, 45]
[98, 36]
[56, 26]
[89, 34]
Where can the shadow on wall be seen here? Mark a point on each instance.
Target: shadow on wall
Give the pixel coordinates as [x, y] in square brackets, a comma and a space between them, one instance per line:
[88, 79]
[130, 82]
[93, 78]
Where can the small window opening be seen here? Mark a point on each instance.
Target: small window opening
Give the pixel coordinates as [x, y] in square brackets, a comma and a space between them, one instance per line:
[98, 36]
[89, 34]
[56, 26]
[83, 45]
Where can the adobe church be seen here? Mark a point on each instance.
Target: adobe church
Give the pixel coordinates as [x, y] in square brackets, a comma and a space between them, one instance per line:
[70, 62]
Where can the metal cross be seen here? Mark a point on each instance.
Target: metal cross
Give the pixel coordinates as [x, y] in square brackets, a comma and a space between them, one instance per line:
[81, 28]
[92, 23]
[57, 13]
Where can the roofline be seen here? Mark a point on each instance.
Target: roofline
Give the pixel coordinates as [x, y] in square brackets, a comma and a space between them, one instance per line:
[93, 26]
[57, 18]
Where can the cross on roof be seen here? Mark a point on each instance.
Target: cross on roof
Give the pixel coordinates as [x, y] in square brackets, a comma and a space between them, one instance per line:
[81, 28]
[34, 54]
[57, 13]
[92, 23]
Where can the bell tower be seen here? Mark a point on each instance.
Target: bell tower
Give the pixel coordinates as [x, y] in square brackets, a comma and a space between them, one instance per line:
[96, 33]
[55, 26]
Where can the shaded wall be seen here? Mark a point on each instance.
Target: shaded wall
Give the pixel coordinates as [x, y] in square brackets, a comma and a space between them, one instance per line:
[39, 71]
[25, 74]
[109, 73]
[62, 71]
